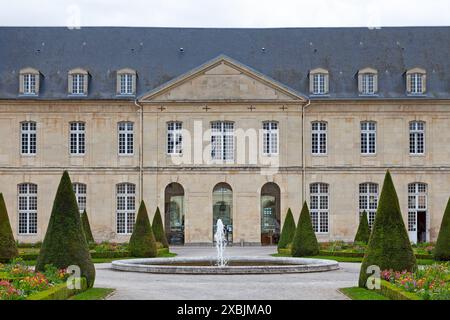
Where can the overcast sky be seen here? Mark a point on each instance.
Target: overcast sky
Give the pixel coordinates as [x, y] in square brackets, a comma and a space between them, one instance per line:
[229, 13]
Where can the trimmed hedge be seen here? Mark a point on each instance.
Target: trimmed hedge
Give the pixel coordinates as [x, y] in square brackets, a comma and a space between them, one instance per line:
[305, 241]
[288, 231]
[86, 227]
[395, 293]
[59, 292]
[8, 247]
[363, 233]
[142, 241]
[158, 229]
[442, 249]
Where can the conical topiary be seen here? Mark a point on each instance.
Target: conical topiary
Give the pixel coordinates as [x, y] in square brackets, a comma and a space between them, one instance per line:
[158, 229]
[288, 231]
[442, 249]
[305, 241]
[389, 246]
[363, 233]
[64, 243]
[8, 247]
[142, 241]
[87, 228]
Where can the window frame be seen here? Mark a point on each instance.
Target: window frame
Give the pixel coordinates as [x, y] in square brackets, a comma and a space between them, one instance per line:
[30, 136]
[319, 132]
[415, 142]
[80, 138]
[412, 210]
[319, 211]
[80, 195]
[271, 147]
[174, 131]
[126, 133]
[366, 195]
[126, 82]
[365, 136]
[225, 144]
[31, 208]
[129, 207]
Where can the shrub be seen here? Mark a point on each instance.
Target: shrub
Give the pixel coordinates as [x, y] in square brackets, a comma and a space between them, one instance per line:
[64, 243]
[442, 248]
[142, 241]
[389, 246]
[363, 233]
[288, 231]
[86, 228]
[8, 248]
[305, 241]
[158, 229]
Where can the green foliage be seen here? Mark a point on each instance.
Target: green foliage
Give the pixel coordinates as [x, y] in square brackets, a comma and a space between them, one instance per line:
[64, 243]
[357, 293]
[288, 231]
[158, 229]
[389, 246]
[305, 241]
[142, 241]
[363, 233]
[8, 247]
[442, 248]
[87, 227]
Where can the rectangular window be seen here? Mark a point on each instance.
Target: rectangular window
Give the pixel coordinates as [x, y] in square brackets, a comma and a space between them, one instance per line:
[28, 138]
[78, 83]
[319, 207]
[126, 138]
[174, 138]
[319, 138]
[126, 202]
[417, 201]
[222, 140]
[77, 138]
[368, 137]
[368, 200]
[416, 83]
[270, 138]
[368, 83]
[126, 83]
[29, 83]
[417, 137]
[27, 208]
[319, 83]
[80, 193]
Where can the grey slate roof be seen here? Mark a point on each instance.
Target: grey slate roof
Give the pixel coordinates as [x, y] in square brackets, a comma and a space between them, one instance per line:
[288, 56]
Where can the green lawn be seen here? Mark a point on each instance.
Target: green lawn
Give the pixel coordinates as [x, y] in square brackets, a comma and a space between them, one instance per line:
[93, 294]
[357, 293]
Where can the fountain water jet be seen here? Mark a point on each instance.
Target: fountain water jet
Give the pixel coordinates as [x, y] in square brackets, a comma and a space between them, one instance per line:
[221, 243]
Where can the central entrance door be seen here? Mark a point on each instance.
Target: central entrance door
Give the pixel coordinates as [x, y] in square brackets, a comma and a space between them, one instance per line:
[174, 213]
[270, 214]
[223, 209]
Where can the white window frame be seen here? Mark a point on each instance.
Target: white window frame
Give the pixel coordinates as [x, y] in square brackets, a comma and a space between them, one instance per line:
[319, 83]
[368, 200]
[368, 137]
[416, 83]
[174, 138]
[368, 83]
[417, 201]
[27, 208]
[320, 206]
[126, 83]
[28, 138]
[417, 137]
[125, 136]
[77, 138]
[29, 84]
[319, 138]
[222, 140]
[125, 208]
[80, 190]
[78, 84]
[270, 138]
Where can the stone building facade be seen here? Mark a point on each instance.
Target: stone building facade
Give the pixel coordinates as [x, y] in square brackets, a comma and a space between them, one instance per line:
[237, 124]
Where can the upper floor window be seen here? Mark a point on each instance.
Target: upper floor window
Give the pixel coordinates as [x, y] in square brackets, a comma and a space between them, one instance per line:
[80, 193]
[416, 81]
[319, 137]
[368, 137]
[27, 204]
[29, 81]
[78, 82]
[319, 207]
[77, 138]
[28, 138]
[367, 81]
[126, 82]
[417, 137]
[126, 206]
[318, 81]
[270, 137]
[368, 200]
[126, 138]
[222, 140]
[174, 137]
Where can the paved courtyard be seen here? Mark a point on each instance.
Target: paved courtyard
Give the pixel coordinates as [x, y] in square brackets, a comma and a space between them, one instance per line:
[321, 285]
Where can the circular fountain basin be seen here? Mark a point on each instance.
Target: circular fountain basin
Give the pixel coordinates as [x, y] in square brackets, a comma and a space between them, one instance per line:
[235, 265]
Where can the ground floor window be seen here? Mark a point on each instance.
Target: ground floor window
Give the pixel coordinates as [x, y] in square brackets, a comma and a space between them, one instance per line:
[417, 212]
[223, 208]
[80, 193]
[319, 207]
[27, 208]
[126, 207]
[368, 201]
[174, 213]
[270, 213]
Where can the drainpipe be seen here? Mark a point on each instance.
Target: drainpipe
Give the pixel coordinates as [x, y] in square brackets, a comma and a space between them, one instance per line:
[303, 150]
[141, 150]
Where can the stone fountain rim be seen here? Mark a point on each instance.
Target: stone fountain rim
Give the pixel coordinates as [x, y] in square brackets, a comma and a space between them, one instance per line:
[293, 265]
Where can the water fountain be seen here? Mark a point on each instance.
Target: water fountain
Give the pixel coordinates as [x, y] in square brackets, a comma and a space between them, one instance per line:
[219, 237]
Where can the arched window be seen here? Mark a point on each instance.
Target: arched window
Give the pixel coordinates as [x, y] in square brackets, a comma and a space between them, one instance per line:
[270, 213]
[126, 207]
[27, 200]
[80, 193]
[368, 200]
[223, 208]
[174, 213]
[319, 200]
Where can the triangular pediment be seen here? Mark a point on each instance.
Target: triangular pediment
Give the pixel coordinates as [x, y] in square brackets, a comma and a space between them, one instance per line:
[222, 79]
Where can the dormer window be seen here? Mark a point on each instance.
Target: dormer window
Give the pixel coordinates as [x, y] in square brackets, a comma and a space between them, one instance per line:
[126, 82]
[416, 81]
[367, 81]
[78, 82]
[29, 81]
[318, 81]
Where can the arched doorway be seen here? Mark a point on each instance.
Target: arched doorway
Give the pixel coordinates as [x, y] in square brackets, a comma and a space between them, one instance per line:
[223, 208]
[270, 214]
[174, 213]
